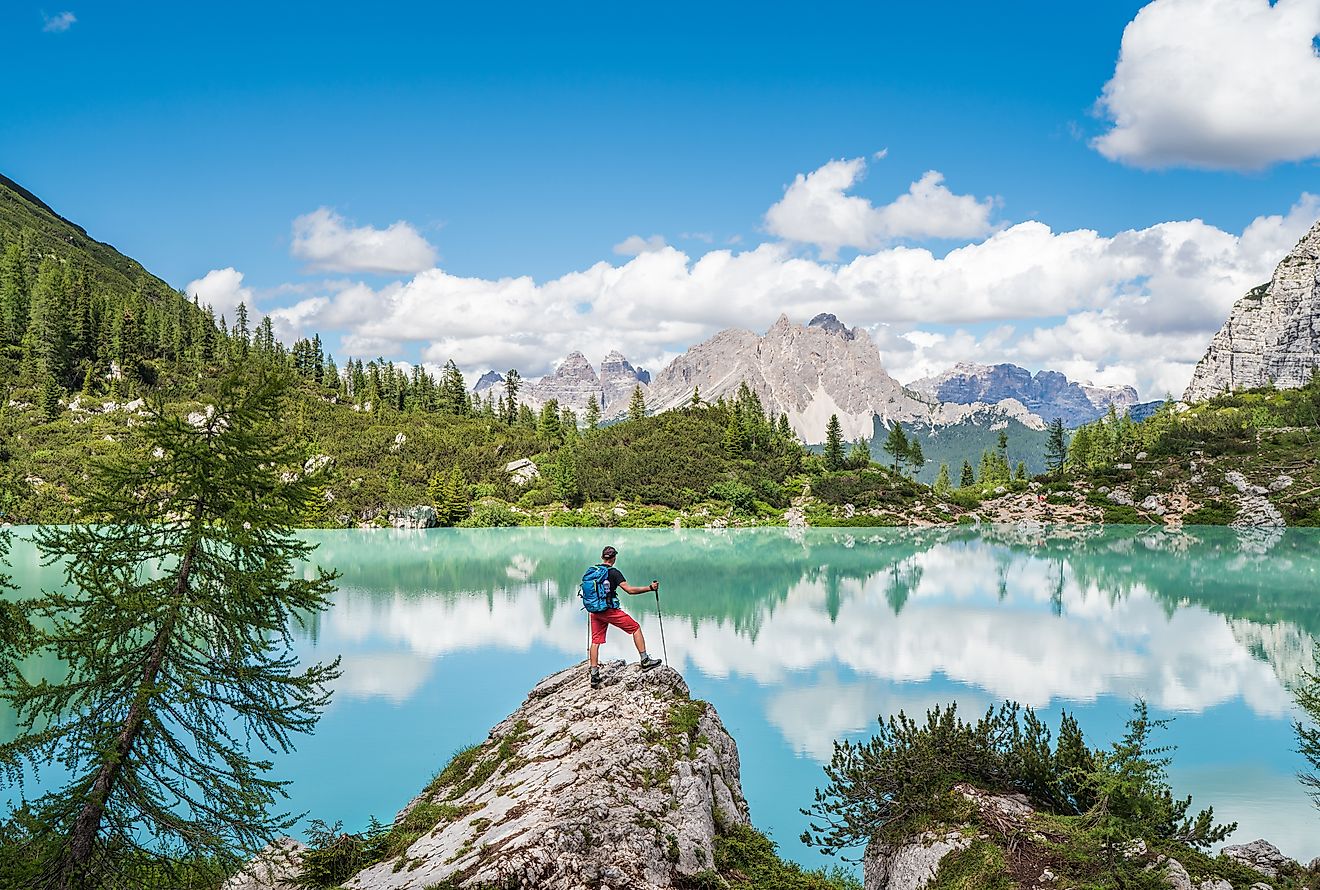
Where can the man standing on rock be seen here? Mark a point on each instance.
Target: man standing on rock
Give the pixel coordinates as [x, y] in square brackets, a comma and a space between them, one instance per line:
[600, 621]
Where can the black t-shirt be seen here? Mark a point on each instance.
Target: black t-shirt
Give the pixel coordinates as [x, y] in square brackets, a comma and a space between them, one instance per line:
[616, 579]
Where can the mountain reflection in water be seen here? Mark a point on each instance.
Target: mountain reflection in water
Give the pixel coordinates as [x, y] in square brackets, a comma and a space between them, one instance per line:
[801, 637]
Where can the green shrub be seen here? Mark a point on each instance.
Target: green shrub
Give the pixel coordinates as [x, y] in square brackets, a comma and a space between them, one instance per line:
[492, 516]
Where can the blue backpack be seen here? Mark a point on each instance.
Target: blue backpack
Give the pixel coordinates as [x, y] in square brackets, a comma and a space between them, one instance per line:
[596, 594]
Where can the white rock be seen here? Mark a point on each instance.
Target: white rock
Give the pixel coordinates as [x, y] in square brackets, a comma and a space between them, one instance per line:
[523, 471]
[1279, 484]
[1272, 334]
[1260, 856]
[274, 868]
[596, 785]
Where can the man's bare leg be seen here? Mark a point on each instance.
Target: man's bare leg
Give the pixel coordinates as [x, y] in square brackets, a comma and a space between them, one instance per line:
[639, 641]
[595, 655]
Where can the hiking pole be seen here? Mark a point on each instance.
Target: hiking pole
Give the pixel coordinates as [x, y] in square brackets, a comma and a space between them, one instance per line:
[661, 615]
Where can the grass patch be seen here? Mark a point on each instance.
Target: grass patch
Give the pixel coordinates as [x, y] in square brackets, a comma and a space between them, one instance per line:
[979, 867]
[745, 859]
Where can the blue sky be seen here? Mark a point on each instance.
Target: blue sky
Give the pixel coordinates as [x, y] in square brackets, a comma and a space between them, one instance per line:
[531, 140]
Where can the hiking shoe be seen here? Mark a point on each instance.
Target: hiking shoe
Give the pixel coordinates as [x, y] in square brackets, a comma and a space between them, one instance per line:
[648, 662]
[595, 680]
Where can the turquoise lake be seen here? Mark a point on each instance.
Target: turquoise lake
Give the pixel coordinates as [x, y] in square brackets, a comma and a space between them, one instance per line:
[801, 637]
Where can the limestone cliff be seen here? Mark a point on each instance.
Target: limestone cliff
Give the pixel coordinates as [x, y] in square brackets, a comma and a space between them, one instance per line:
[623, 786]
[1272, 333]
[807, 372]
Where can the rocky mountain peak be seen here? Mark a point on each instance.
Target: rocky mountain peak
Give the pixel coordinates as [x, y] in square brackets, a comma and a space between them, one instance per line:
[806, 372]
[1272, 333]
[827, 321]
[540, 800]
[487, 380]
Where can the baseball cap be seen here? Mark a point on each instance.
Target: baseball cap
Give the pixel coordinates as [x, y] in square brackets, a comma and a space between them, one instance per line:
[608, 553]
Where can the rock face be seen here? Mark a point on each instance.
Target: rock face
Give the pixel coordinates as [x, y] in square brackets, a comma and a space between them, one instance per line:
[618, 787]
[807, 372]
[572, 384]
[575, 382]
[1272, 333]
[1047, 394]
[274, 868]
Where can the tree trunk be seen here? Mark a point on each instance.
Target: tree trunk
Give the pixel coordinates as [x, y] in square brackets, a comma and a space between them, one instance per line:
[82, 839]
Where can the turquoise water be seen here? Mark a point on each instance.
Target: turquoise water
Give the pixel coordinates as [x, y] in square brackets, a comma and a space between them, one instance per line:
[799, 638]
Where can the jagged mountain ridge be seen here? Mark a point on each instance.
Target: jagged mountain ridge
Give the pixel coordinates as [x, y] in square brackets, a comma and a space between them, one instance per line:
[1272, 334]
[1047, 394]
[809, 372]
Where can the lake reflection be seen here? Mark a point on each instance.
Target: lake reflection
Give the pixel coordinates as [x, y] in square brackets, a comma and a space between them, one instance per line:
[802, 637]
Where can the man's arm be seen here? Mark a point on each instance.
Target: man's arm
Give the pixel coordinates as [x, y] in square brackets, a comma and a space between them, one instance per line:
[628, 588]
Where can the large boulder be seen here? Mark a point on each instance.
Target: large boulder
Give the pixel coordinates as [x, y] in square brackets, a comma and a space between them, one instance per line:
[621, 786]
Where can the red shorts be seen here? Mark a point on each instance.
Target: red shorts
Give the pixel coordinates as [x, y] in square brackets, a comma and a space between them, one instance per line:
[619, 618]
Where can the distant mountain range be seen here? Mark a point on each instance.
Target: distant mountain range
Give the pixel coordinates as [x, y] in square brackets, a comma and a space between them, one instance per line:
[810, 372]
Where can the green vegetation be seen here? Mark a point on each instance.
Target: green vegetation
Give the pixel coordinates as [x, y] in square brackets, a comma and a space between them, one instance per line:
[1092, 804]
[1262, 434]
[174, 623]
[745, 859]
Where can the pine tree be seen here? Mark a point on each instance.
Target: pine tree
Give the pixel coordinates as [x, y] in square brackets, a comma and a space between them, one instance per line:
[50, 397]
[943, 483]
[916, 458]
[453, 391]
[567, 487]
[455, 504]
[834, 458]
[896, 445]
[1056, 447]
[695, 401]
[593, 413]
[859, 456]
[967, 478]
[637, 404]
[1020, 473]
[547, 425]
[512, 383]
[735, 440]
[786, 429]
[171, 675]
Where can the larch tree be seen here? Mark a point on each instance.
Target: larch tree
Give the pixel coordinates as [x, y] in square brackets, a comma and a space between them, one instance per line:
[593, 413]
[174, 621]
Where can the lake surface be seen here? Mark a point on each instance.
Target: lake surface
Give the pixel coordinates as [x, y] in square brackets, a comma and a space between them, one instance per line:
[799, 637]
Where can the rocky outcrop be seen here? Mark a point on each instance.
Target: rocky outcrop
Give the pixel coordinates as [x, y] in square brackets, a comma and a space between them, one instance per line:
[806, 372]
[914, 863]
[1047, 394]
[619, 787]
[1272, 334]
[421, 516]
[274, 868]
[572, 384]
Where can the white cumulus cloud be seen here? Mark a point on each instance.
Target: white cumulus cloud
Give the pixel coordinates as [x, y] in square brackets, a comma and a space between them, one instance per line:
[1136, 307]
[222, 290]
[636, 244]
[816, 209]
[1221, 84]
[57, 24]
[328, 243]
